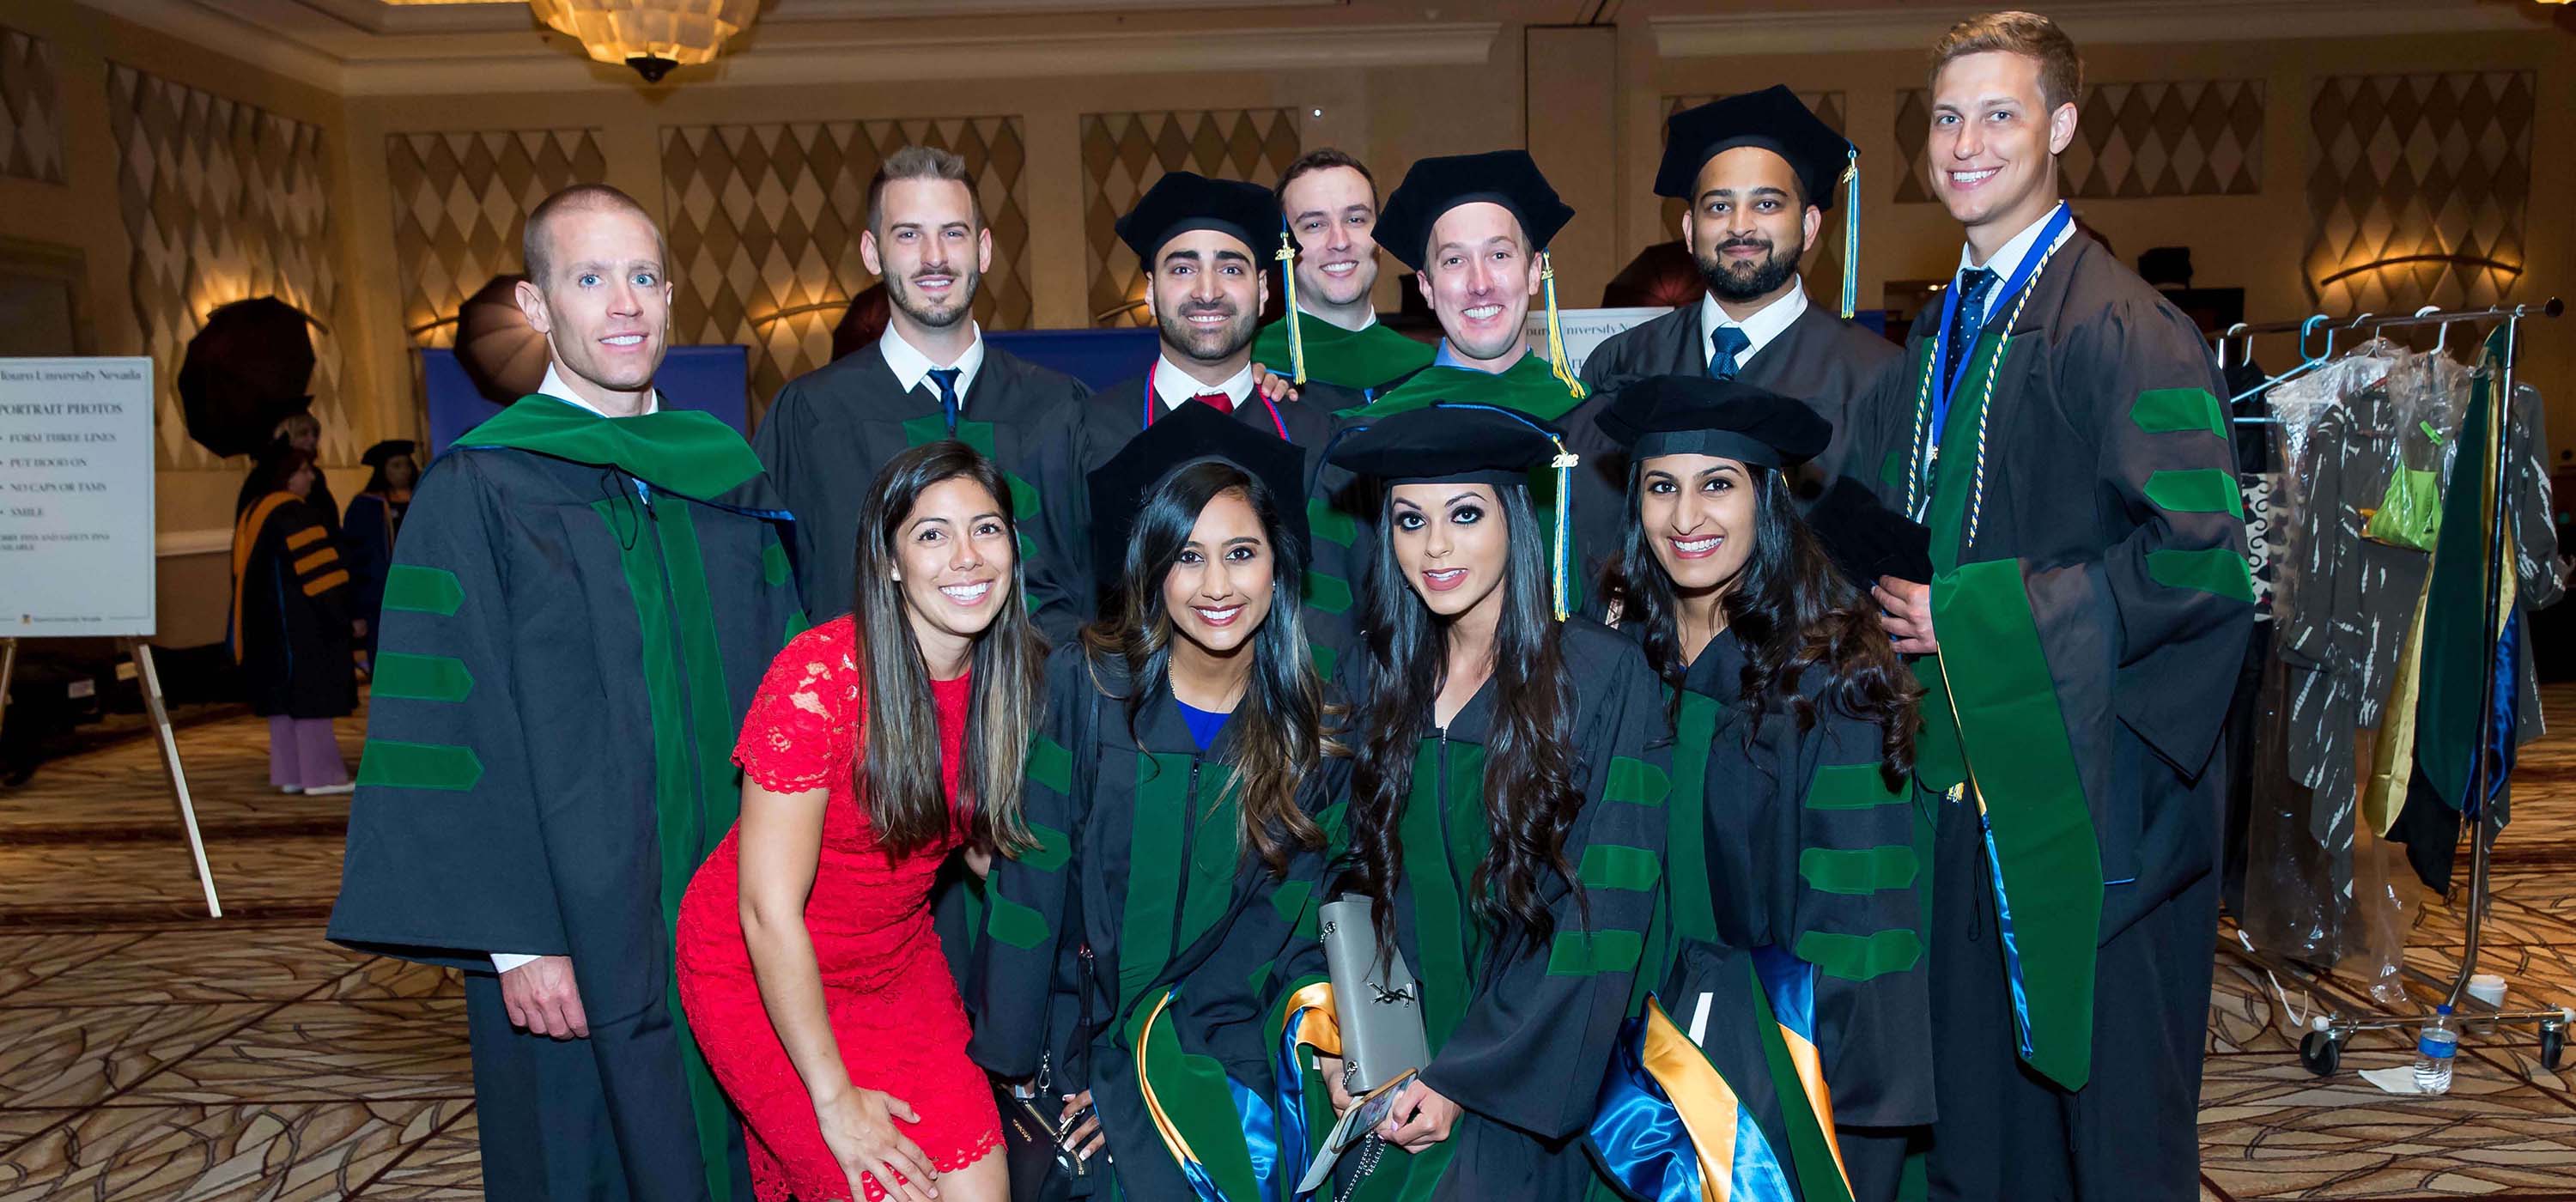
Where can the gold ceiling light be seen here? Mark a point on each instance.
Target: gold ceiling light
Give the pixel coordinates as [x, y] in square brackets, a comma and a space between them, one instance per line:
[651, 36]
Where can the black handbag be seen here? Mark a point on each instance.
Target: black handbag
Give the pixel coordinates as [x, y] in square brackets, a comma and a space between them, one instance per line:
[1040, 1168]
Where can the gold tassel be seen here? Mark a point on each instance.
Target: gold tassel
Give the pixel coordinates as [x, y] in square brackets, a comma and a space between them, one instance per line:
[1296, 333]
[1556, 329]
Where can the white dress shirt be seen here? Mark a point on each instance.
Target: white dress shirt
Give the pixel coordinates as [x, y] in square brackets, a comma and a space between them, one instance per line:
[1370, 316]
[912, 368]
[2008, 260]
[1175, 387]
[1768, 322]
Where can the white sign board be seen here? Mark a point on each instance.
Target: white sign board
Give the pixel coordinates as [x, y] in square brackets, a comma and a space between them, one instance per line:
[1584, 329]
[76, 551]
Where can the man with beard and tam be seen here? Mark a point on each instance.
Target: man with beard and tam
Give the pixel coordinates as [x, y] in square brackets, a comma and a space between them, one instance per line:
[1206, 245]
[1759, 172]
[931, 376]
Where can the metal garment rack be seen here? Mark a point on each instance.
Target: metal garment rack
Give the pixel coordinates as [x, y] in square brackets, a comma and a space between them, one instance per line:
[2321, 1045]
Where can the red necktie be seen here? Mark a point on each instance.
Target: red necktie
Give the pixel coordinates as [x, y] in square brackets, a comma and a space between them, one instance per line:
[1216, 400]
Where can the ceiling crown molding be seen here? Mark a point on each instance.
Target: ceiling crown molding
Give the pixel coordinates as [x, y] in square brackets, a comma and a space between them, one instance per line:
[2089, 22]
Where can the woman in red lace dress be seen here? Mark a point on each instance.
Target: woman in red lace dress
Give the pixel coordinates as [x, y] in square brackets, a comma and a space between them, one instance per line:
[879, 744]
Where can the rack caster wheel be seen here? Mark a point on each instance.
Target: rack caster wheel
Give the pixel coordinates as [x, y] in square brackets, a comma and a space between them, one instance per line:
[2321, 1051]
[2553, 1046]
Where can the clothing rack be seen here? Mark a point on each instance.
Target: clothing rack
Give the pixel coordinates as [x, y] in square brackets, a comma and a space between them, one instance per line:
[2321, 1046]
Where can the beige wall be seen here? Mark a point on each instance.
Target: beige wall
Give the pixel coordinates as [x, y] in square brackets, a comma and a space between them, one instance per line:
[1589, 102]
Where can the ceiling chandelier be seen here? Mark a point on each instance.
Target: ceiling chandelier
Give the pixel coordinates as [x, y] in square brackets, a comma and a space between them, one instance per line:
[651, 36]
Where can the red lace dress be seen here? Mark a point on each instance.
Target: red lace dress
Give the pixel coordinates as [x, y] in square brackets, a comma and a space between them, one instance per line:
[886, 987]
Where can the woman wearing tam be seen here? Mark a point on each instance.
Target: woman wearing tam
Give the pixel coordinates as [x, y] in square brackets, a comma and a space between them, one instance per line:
[1174, 791]
[368, 529]
[879, 743]
[1506, 811]
[1792, 844]
[290, 628]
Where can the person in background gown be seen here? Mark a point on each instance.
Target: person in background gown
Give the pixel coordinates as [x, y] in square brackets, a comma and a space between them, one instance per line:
[368, 529]
[290, 628]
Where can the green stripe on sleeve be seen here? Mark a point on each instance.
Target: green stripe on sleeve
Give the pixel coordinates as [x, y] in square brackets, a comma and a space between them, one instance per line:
[415, 589]
[1636, 782]
[796, 625]
[1013, 923]
[1329, 524]
[773, 564]
[1051, 765]
[2178, 410]
[1585, 953]
[1051, 850]
[387, 764]
[1868, 870]
[2218, 570]
[1290, 897]
[1328, 592]
[2196, 490]
[1612, 866]
[1850, 787]
[422, 677]
[1861, 957]
[1323, 658]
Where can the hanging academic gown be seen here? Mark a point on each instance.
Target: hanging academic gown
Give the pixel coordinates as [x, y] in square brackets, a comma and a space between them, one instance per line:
[1788, 843]
[1820, 359]
[832, 430]
[1529, 387]
[1521, 1038]
[2092, 611]
[1363, 361]
[290, 628]
[1067, 586]
[579, 612]
[1140, 859]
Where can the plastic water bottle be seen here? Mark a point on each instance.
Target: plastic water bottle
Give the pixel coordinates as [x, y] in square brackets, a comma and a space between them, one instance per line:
[2435, 1048]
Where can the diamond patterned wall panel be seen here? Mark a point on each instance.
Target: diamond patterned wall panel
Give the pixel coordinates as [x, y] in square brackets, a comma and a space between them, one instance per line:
[1124, 153]
[2178, 138]
[766, 218]
[31, 108]
[2401, 166]
[1823, 267]
[460, 202]
[222, 201]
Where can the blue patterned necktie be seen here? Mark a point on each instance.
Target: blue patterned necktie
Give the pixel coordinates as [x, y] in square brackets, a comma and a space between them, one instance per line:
[1974, 284]
[1727, 342]
[946, 378]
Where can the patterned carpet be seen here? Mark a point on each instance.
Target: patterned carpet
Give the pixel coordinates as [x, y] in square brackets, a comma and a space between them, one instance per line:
[147, 1052]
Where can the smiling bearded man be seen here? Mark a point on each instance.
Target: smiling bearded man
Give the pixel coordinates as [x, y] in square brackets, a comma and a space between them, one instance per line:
[588, 589]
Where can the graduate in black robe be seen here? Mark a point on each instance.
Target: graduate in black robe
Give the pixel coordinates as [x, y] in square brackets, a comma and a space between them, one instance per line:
[1499, 205]
[1174, 792]
[931, 376]
[2078, 641]
[1507, 811]
[1328, 202]
[1793, 844]
[368, 529]
[1759, 171]
[578, 615]
[1203, 240]
[290, 614]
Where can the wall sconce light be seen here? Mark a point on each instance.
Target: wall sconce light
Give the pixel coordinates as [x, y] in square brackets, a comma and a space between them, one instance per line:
[2402, 260]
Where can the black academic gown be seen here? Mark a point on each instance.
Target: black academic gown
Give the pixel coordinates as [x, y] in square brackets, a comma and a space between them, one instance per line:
[1788, 838]
[1521, 1037]
[1140, 860]
[1063, 581]
[564, 667]
[2092, 606]
[367, 532]
[291, 612]
[832, 430]
[1820, 359]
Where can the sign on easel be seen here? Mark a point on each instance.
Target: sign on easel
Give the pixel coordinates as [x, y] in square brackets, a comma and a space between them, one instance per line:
[76, 528]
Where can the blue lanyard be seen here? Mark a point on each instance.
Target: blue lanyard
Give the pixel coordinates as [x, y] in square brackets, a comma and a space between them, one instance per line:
[1946, 387]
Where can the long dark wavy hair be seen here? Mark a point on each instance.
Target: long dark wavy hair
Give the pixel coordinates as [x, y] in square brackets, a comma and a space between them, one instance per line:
[1790, 609]
[1277, 729]
[1530, 798]
[899, 773]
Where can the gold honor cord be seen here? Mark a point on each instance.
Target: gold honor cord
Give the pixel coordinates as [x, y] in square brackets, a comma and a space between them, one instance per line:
[1163, 1124]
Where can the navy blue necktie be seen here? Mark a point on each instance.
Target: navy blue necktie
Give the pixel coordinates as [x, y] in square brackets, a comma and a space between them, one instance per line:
[1974, 284]
[946, 378]
[1727, 342]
